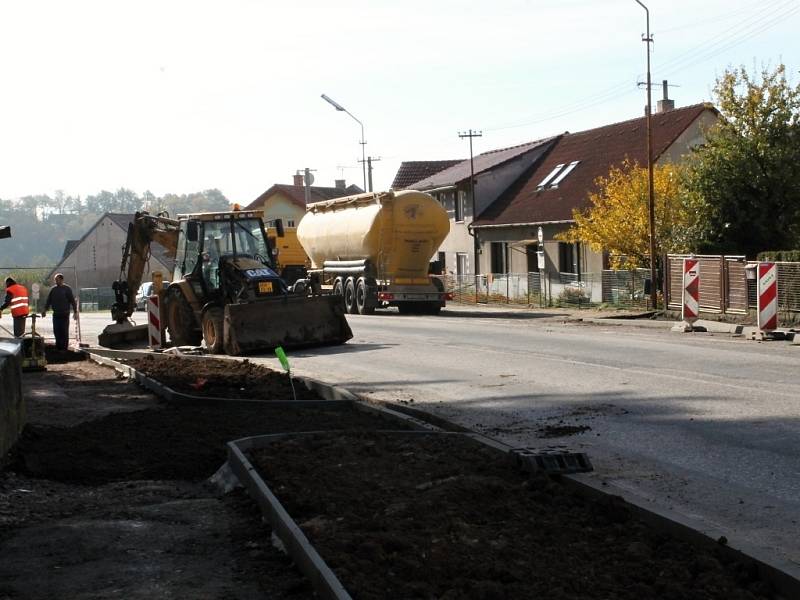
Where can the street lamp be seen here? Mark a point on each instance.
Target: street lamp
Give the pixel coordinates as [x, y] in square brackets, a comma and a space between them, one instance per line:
[341, 108]
[651, 204]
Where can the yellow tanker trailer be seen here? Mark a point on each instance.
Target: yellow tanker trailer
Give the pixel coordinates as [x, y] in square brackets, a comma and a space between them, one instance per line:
[375, 250]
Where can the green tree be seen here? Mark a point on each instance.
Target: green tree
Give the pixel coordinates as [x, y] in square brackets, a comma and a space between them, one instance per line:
[617, 221]
[747, 169]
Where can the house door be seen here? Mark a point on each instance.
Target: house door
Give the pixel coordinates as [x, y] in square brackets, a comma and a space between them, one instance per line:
[461, 264]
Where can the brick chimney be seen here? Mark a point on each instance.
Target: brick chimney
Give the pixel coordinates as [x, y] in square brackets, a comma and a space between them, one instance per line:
[340, 184]
[665, 104]
[298, 180]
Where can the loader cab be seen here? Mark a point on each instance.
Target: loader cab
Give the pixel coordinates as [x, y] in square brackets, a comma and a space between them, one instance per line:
[206, 243]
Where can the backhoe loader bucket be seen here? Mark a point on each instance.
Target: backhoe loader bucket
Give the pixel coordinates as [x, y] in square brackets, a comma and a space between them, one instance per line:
[290, 321]
[123, 334]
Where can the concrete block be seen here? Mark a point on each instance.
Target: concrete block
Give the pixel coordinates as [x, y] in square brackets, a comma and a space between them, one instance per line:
[12, 402]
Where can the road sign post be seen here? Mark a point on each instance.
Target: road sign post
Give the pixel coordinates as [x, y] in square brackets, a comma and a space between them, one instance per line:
[691, 291]
[154, 322]
[767, 297]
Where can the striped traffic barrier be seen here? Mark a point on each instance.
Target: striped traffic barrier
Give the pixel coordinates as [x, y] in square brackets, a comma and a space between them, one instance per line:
[154, 322]
[767, 296]
[691, 290]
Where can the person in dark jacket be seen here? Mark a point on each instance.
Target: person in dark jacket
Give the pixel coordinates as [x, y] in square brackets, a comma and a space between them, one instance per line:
[61, 300]
[17, 301]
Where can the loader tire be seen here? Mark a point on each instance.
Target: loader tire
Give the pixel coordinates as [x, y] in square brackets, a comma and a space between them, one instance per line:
[213, 336]
[180, 320]
[363, 303]
[350, 297]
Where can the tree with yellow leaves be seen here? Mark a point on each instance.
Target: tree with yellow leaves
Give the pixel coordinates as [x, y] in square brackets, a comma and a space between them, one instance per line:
[617, 220]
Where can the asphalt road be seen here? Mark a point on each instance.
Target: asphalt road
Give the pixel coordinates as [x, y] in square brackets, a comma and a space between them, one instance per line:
[702, 424]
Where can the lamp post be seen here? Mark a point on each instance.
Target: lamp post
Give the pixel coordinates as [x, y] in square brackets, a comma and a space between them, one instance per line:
[341, 108]
[651, 204]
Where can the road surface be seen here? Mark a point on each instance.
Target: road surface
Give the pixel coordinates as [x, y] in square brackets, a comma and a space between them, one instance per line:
[705, 425]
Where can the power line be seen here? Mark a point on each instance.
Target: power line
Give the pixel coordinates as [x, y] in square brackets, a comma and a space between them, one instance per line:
[727, 16]
[717, 44]
[730, 37]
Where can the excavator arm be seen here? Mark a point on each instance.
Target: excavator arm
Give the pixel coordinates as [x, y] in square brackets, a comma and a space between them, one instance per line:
[142, 232]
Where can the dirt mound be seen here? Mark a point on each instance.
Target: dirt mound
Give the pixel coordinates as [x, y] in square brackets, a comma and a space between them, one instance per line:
[445, 517]
[185, 443]
[214, 377]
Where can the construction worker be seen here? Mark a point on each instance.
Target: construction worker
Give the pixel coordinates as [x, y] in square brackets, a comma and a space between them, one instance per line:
[61, 300]
[17, 301]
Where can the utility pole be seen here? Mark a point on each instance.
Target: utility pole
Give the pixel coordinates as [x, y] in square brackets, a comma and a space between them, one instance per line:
[370, 160]
[651, 203]
[308, 179]
[472, 134]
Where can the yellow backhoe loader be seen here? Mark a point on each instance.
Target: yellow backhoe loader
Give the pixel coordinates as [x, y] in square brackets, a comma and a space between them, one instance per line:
[224, 291]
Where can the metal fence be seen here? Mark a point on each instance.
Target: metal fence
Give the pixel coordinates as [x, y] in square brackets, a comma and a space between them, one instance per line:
[93, 299]
[623, 289]
[788, 287]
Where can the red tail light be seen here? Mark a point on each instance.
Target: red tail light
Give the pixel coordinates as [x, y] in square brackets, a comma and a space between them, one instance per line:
[385, 297]
[448, 296]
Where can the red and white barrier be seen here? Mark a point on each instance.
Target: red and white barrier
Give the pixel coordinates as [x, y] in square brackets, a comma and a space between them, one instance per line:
[691, 290]
[767, 296]
[154, 322]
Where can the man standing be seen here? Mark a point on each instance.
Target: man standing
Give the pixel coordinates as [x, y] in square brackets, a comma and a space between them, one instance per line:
[17, 300]
[61, 299]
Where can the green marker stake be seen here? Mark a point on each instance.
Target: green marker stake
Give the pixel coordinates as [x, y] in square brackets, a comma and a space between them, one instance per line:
[285, 364]
[282, 357]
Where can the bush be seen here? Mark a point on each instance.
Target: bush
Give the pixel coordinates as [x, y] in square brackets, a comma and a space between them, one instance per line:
[572, 294]
[780, 255]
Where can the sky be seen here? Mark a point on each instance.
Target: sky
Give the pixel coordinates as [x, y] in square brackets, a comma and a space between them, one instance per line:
[176, 96]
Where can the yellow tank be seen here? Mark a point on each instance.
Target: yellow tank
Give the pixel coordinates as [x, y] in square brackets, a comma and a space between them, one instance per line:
[398, 232]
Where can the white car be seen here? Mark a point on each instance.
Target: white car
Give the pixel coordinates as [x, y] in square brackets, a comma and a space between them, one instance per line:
[145, 290]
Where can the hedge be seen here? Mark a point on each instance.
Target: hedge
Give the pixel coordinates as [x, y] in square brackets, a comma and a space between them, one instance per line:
[780, 255]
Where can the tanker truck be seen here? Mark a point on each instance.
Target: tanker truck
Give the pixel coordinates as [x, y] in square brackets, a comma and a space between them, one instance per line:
[374, 250]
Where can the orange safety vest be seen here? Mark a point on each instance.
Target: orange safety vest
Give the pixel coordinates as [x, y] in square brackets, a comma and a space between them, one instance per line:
[19, 300]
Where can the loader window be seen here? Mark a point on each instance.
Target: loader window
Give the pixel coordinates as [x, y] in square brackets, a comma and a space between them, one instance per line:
[187, 252]
[250, 238]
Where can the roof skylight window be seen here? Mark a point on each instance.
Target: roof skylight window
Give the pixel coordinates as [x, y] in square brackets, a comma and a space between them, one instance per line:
[564, 173]
[550, 176]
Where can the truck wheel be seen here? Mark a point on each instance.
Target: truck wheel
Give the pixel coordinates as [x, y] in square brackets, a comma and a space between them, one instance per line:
[213, 336]
[350, 297]
[180, 320]
[362, 299]
[338, 289]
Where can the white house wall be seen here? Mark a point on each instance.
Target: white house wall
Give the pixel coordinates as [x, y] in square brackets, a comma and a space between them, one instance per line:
[96, 260]
[489, 185]
[279, 207]
[692, 136]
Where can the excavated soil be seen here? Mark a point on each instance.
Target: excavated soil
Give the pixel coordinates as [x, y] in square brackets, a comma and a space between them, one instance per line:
[221, 378]
[446, 517]
[104, 496]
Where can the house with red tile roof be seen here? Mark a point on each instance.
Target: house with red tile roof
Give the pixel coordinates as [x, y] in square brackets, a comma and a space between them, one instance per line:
[545, 196]
[288, 202]
[412, 171]
[494, 172]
